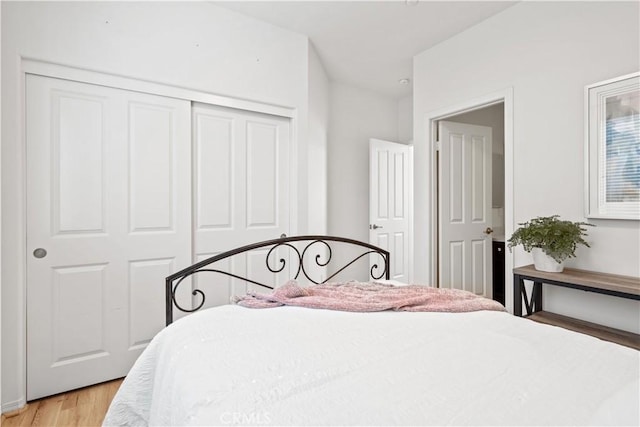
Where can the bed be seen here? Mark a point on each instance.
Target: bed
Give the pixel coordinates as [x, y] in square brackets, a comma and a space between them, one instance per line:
[292, 365]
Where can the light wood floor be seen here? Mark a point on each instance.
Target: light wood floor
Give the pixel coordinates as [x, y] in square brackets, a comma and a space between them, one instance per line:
[83, 407]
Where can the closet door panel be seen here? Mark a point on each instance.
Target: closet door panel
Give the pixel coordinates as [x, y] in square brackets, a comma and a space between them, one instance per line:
[241, 190]
[262, 175]
[146, 304]
[214, 144]
[151, 167]
[158, 237]
[109, 200]
[77, 172]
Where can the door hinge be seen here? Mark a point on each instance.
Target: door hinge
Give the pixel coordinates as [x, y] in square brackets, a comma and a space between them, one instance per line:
[438, 145]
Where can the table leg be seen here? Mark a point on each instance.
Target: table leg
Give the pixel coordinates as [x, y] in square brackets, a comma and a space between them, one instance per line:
[536, 297]
[518, 285]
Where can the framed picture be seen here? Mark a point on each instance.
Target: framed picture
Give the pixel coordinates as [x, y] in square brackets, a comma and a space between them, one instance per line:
[612, 148]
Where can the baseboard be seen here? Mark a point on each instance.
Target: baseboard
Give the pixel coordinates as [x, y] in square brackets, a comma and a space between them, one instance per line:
[16, 405]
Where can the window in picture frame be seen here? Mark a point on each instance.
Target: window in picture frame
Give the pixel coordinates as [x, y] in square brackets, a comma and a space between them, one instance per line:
[612, 148]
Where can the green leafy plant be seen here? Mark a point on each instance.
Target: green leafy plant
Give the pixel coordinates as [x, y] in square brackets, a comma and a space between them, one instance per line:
[557, 238]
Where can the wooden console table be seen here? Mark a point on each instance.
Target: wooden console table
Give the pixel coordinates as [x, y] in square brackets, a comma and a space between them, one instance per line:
[590, 281]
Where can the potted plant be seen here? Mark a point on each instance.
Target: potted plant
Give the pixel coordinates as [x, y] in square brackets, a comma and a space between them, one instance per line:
[551, 240]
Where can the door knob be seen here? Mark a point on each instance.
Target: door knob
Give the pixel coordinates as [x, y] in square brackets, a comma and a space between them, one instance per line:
[40, 253]
[375, 226]
[283, 235]
[489, 230]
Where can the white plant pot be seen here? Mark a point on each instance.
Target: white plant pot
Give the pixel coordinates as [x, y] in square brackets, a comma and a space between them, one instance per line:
[544, 262]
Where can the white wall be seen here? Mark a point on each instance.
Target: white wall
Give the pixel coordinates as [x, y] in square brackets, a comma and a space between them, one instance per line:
[547, 52]
[356, 115]
[192, 44]
[318, 130]
[405, 120]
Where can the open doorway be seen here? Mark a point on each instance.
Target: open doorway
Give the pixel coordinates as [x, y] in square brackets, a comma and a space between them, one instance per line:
[432, 120]
[470, 165]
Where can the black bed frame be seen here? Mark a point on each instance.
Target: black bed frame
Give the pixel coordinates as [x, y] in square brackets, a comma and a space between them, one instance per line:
[298, 252]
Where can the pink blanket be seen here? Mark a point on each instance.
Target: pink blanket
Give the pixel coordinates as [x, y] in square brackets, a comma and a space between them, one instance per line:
[363, 297]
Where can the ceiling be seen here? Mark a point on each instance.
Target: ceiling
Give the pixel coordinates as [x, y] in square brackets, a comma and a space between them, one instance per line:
[370, 44]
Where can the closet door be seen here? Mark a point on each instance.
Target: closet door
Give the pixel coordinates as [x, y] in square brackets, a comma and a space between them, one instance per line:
[241, 193]
[108, 217]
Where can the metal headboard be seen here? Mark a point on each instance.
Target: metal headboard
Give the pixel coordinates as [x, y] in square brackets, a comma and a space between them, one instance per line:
[297, 252]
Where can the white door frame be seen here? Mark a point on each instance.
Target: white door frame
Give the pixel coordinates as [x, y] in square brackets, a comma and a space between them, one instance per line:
[505, 96]
[43, 68]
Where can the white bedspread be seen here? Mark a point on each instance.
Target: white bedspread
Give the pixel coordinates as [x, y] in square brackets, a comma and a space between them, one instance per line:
[293, 366]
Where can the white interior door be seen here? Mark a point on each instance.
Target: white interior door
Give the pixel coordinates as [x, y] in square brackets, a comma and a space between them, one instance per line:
[241, 192]
[109, 200]
[389, 192]
[465, 207]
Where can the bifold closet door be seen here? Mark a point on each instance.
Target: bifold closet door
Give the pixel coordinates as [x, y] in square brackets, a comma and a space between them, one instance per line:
[241, 193]
[108, 217]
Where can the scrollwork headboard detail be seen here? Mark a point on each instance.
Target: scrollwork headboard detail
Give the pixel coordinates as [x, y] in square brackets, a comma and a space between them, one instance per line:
[300, 250]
